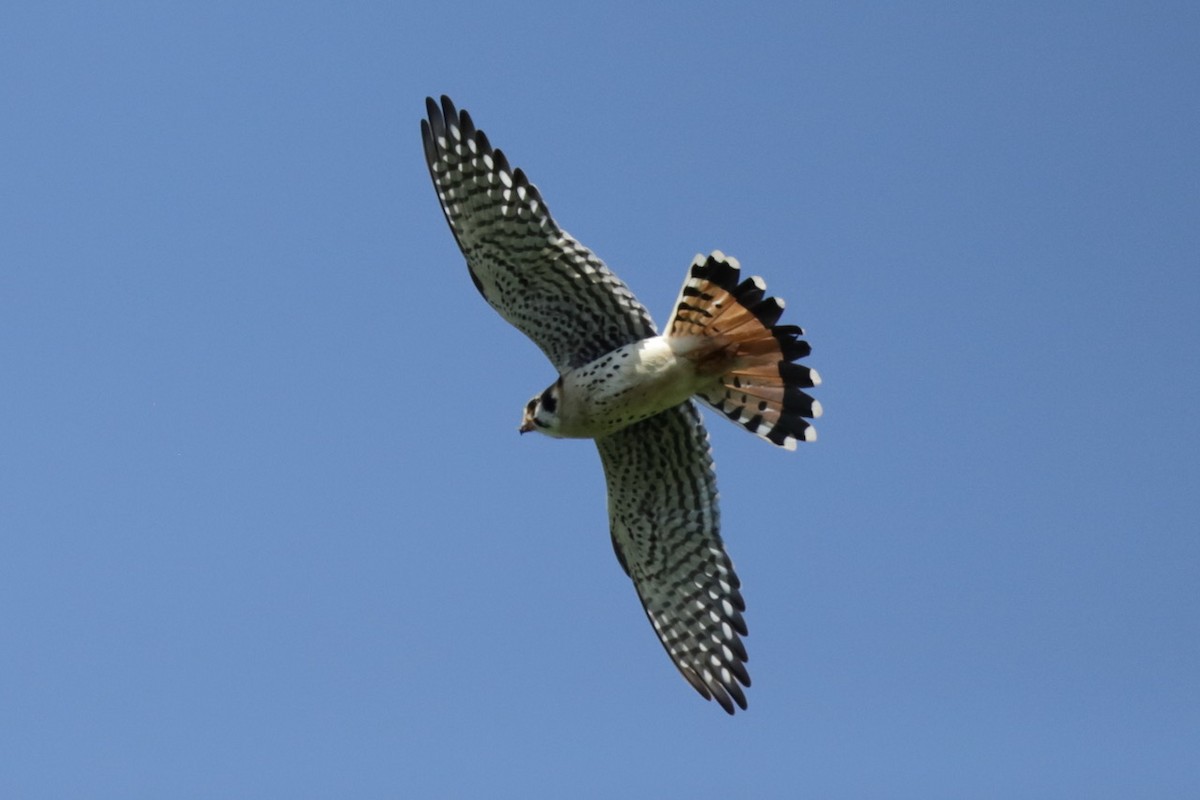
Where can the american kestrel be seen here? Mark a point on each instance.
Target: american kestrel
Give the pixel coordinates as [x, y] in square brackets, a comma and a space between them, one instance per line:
[632, 390]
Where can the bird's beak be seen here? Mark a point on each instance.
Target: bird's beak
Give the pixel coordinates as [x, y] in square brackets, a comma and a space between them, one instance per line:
[526, 427]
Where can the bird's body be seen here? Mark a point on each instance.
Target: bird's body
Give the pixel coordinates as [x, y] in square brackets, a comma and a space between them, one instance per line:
[629, 384]
[630, 389]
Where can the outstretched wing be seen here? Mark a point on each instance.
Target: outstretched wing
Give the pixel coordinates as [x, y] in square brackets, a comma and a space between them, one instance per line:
[662, 506]
[552, 288]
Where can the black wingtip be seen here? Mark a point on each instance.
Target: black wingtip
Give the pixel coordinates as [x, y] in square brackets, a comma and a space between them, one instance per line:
[449, 112]
[501, 161]
[433, 115]
[466, 125]
[430, 143]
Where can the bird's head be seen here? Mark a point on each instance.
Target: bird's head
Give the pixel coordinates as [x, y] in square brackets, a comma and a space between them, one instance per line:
[541, 413]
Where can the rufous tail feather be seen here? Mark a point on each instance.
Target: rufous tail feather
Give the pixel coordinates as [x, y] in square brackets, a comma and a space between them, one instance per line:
[763, 388]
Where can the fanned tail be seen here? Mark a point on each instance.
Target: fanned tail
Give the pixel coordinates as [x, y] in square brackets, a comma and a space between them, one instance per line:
[763, 389]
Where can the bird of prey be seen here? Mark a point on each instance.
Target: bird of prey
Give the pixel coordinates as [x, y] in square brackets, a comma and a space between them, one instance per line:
[632, 390]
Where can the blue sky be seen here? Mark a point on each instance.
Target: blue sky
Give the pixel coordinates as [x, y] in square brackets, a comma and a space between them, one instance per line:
[266, 525]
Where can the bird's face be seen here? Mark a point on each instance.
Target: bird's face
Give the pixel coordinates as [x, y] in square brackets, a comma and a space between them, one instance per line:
[541, 413]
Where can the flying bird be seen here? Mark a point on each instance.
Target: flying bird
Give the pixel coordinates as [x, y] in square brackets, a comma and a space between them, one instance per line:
[633, 390]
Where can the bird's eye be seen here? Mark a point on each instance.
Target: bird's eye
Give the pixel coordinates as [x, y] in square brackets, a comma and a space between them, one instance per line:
[548, 401]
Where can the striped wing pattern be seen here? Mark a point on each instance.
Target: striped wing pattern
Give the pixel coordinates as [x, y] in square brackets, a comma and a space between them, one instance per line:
[552, 288]
[662, 506]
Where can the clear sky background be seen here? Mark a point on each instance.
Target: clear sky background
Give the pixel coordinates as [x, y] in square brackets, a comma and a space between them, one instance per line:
[266, 525]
